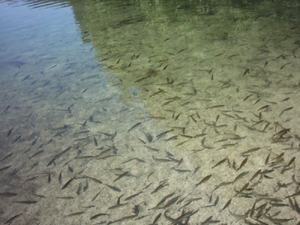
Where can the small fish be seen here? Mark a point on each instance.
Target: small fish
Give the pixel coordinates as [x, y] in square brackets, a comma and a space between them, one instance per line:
[247, 71]
[134, 126]
[243, 188]
[49, 177]
[70, 169]
[180, 161]
[35, 154]
[163, 200]
[6, 108]
[170, 202]
[113, 188]
[29, 202]
[95, 141]
[220, 162]
[74, 214]
[7, 194]
[65, 197]
[68, 182]
[59, 177]
[9, 132]
[239, 216]
[250, 151]
[122, 175]
[163, 184]
[99, 214]
[104, 154]
[118, 205]
[149, 137]
[93, 179]
[204, 180]
[277, 220]
[263, 107]
[171, 138]
[156, 219]
[215, 106]
[163, 134]
[132, 196]
[256, 174]
[223, 184]
[240, 176]
[161, 160]
[25, 78]
[226, 205]
[9, 221]
[242, 164]
[6, 157]
[287, 109]
[152, 149]
[4, 168]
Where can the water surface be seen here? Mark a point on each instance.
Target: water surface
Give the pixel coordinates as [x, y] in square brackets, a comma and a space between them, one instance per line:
[116, 112]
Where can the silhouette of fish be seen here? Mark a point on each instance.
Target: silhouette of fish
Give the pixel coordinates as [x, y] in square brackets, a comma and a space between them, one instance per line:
[16, 64]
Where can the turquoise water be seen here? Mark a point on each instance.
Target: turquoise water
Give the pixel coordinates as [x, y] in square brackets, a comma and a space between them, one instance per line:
[149, 112]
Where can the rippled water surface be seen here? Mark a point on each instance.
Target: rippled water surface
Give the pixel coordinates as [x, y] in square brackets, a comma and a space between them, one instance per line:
[149, 112]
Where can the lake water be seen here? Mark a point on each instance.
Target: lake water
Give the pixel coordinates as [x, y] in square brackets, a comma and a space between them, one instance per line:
[149, 112]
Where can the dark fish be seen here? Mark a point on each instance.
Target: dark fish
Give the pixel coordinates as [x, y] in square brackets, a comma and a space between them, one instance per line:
[163, 133]
[9, 155]
[7, 194]
[122, 175]
[35, 154]
[134, 126]
[132, 196]
[99, 214]
[170, 202]
[220, 162]
[161, 160]
[287, 109]
[68, 182]
[9, 132]
[226, 205]
[152, 149]
[16, 139]
[59, 177]
[51, 161]
[95, 142]
[74, 214]
[70, 169]
[65, 197]
[163, 200]
[113, 188]
[12, 218]
[163, 184]
[204, 180]
[29, 202]
[6, 108]
[94, 179]
[4, 168]
[240, 175]
[16, 64]
[117, 205]
[49, 177]
[247, 71]
[156, 219]
[242, 164]
[256, 174]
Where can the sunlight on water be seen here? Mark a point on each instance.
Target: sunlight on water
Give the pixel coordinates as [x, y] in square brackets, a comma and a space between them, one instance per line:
[149, 112]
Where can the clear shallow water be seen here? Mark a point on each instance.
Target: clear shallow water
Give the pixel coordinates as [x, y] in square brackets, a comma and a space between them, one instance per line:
[110, 103]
